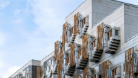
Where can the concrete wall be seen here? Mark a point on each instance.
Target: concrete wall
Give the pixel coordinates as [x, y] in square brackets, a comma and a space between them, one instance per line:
[102, 8]
[30, 63]
[112, 13]
[46, 58]
[131, 21]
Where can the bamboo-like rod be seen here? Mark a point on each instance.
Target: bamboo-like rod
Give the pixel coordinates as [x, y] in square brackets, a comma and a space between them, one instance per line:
[72, 55]
[38, 72]
[85, 47]
[100, 36]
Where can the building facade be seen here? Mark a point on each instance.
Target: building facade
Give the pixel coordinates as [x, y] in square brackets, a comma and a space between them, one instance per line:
[99, 40]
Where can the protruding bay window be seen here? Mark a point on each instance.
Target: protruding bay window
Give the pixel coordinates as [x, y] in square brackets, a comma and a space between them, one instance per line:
[112, 39]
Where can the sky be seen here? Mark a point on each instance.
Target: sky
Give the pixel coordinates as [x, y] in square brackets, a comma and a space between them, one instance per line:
[29, 28]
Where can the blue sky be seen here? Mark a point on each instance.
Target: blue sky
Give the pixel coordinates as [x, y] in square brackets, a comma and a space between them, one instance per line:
[29, 28]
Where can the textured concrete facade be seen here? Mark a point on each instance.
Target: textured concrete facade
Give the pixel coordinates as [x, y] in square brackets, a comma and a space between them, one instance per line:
[114, 15]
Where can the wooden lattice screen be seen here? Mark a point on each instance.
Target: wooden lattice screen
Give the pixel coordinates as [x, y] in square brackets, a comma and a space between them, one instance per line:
[84, 72]
[104, 69]
[129, 63]
[75, 31]
[100, 36]
[85, 46]
[56, 52]
[38, 72]
[60, 68]
[64, 35]
[72, 55]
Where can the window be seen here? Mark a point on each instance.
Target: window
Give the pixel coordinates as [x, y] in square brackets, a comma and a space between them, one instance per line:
[71, 31]
[109, 34]
[114, 73]
[59, 50]
[105, 36]
[135, 59]
[83, 22]
[93, 44]
[116, 32]
[79, 53]
[124, 67]
[67, 61]
[51, 62]
[47, 68]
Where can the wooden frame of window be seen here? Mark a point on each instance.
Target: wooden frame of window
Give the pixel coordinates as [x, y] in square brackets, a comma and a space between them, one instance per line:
[109, 34]
[71, 31]
[93, 44]
[83, 22]
[114, 73]
[67, 61]
[79, 53]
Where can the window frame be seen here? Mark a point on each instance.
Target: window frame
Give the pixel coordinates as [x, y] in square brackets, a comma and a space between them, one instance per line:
[79, 53]
[93, 44]
[83, 21]
[109, 35]
[124, 67]
[116, 32]
[114, 72]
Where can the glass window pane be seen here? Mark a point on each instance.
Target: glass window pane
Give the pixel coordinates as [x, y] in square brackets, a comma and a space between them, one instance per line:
[105, 36]
[116, 32]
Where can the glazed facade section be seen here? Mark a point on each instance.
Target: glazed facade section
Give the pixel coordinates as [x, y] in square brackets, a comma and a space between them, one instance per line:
[99, 40]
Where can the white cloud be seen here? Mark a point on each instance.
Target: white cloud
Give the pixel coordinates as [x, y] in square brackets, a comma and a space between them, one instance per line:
[4, 4]
[46, 17]
[17, 11]
[9, 72]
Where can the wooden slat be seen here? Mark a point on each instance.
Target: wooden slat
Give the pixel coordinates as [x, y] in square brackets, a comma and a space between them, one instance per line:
[129, 62]
[64, 34]
[75, 31]
[56, 52]
[72, 54]
[85, 46]
[104, 69]
[38, 72]
[100, 36]
[60, 68]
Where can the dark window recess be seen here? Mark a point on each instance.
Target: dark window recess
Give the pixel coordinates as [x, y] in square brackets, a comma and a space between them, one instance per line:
[124, 67]
[100, 69]
[114, 73]
[83, 22]
[93, 44]
[116, 32]
[105, 36]
[109, 34]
